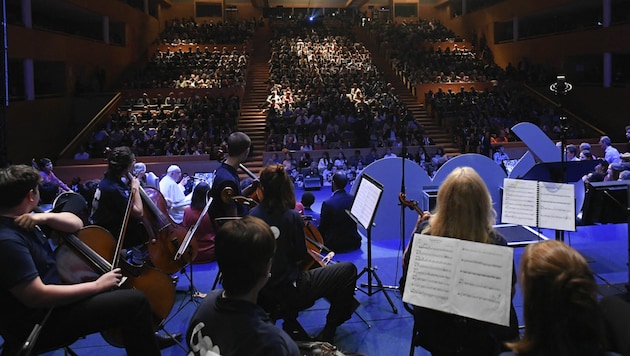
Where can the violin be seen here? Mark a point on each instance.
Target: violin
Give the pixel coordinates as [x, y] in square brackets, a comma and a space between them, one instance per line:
[412, 204]
[256, 194]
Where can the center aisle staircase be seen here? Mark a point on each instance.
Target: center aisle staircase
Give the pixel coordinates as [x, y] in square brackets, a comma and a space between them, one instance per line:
[251, 119]
[432, 129]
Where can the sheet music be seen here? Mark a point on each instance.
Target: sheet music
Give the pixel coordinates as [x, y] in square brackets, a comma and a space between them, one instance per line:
[520, 202]
[556, 206]
[460, 277]
[365, 202]
[540, 204]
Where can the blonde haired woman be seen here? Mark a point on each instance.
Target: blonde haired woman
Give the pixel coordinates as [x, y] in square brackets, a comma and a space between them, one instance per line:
[463, 211]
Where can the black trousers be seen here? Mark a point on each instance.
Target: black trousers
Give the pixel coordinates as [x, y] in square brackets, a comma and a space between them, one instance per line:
[127, 310]
[335, 282]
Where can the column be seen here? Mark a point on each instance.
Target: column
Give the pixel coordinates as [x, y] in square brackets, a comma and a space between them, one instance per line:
[606, 11]
[27, 17]
[515, 34]
[106, 29]
[29, 80]
[464, 10]
[607, 69]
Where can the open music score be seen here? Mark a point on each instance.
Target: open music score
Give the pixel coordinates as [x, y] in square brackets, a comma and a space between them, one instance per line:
[460, 277]
[540, 204]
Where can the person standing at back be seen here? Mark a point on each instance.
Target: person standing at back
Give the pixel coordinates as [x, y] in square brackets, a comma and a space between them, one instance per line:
[336, 226]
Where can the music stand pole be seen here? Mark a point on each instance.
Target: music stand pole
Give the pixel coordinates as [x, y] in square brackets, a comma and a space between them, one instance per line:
[371, 272]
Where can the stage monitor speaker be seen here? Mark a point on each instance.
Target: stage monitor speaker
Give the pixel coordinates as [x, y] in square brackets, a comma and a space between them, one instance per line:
[312, 183]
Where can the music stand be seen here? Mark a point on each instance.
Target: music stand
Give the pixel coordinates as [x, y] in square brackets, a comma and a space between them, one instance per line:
[363, 211]
[561, 172]
[193, 293]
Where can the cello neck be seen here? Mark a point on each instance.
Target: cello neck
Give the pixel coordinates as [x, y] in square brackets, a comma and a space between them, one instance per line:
[247, 171]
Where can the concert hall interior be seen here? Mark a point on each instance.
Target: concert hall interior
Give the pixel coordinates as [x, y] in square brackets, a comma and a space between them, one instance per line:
[514, 89]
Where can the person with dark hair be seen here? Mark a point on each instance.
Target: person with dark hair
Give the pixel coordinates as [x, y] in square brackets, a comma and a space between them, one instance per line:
[111, 197]
[226, 181]
[45, 167]
[31, 288]
[560, 306]
[229, 321]
[48, 191]
[308, 199]
[205, 233]
[289, 289]
[110, 204]
[336, 226]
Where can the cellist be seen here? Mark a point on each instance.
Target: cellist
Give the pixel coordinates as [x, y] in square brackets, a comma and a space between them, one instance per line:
[30, 289]
[109, 206]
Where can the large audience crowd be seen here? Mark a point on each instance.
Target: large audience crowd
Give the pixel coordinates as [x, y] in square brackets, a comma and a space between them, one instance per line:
[325, 93]
[188, 31]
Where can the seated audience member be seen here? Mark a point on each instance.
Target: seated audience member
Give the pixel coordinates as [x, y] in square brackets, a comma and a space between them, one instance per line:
[173, 190]
[147, 179]
[289, 289]
[229, 321]
[611, 154]
[31, 289]
[571, 152]
[500, 155]
[560, 306]
[336, 226]
[205, 233]
[463, 211]
[307, 200]
[45, 167]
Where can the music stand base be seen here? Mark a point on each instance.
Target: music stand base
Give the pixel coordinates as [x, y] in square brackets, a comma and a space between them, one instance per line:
[373, 289]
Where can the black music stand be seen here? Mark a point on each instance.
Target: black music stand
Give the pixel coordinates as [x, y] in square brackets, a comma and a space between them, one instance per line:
[609, 203]
[560, 172]
[363, 211]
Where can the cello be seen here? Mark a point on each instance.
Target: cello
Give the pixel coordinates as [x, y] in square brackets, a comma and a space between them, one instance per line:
[315, 247]
[165, 236]
[93, 251]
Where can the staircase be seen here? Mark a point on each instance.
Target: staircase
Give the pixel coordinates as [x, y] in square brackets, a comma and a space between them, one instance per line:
[251, 120]
[432, 128]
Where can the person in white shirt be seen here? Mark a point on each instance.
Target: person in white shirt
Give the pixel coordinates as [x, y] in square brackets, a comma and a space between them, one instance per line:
[173, 192]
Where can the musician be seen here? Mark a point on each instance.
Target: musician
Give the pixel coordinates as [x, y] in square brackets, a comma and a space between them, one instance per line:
[110, 203]
[109, 207]
[30, 285]
[336, 226]
[289, 289]
[464, 211]
[226, 176]
[205, 234]
[228, 321]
